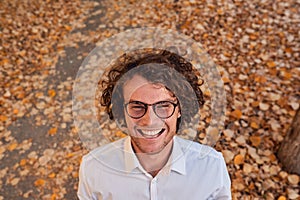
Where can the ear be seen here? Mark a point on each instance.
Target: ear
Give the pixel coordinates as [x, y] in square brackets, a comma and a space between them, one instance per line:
[179, 114]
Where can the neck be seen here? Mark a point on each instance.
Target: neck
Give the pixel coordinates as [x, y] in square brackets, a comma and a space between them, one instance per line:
[154, 162]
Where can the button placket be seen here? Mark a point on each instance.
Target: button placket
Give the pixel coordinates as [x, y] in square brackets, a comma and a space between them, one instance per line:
[153, 189]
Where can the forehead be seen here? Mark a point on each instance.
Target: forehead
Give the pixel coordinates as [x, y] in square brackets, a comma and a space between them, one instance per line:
[139, 88]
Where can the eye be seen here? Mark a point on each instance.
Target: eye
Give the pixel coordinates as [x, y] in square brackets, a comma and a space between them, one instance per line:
[136, 107]
[164, 105]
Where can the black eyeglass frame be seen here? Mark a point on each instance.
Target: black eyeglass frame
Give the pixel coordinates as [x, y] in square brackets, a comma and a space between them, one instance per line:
[153, 107]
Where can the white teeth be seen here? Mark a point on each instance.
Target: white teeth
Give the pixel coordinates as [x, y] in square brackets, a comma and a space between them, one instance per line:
[151, 132]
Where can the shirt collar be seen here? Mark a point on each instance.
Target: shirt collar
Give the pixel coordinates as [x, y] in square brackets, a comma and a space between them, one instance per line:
[176, 161]
[131, 161]
[177, 158]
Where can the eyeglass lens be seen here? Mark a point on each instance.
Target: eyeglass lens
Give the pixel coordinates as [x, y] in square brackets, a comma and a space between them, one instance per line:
[163, 109]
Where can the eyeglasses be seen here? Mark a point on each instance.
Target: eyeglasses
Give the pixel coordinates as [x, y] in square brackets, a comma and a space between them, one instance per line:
[162, 109]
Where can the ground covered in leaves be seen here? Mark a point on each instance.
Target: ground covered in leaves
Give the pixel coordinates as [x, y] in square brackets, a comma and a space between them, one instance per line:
[255, 45]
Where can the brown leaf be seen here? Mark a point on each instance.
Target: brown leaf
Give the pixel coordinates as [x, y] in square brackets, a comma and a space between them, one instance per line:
[228, 155]
[293, 179]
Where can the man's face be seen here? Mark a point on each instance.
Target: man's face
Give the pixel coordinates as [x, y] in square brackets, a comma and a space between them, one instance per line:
[149, 133]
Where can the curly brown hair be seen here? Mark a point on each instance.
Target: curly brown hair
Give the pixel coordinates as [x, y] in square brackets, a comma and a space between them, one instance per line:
[159, 66]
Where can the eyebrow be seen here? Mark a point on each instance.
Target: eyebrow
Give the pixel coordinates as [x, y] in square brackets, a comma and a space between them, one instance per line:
[170, 100]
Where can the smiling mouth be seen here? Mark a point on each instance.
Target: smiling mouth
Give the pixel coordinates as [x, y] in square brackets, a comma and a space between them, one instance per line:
[151, 133]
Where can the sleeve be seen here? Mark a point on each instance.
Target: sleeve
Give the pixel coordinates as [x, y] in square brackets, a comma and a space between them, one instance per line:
[224, 193]
[83, 192]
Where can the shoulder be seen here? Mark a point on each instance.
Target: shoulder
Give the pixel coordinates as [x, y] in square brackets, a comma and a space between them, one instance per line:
[105, 154]
[198, 150]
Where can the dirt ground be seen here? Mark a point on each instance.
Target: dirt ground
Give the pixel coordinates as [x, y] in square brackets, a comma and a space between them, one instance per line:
[255, 45]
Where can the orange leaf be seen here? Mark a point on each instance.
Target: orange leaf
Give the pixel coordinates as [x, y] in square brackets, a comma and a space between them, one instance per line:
[12, 146]
[53, 196]
[281, 198]
[271, 64]
[255, 103]
[3, 118]
[39, 182]
[23, 162]
[15, 111]
[251, 186]
[238, 159]
[254, 125]
[120, 134]
[255, 140]
[52, 131]
[236, 114]
[51, 93]
[226, 79]
[68, 28]
[52, 175]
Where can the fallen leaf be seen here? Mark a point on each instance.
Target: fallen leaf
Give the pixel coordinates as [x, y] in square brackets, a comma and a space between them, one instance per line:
[293, 179]
[39, 182]
[23, 162]
[264, 106]
[271, 64]
[228, 156]
[51, 93]
[281, 198]
[12, 146]
[15, 181]
[236, 114]
[238, 159]
[254, 125]
[52, 131]
[255, 140]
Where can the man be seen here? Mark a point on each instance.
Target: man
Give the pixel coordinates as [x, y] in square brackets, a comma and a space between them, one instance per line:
[153, 97]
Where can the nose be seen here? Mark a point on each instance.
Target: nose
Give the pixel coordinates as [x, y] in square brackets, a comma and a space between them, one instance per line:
[150, 118]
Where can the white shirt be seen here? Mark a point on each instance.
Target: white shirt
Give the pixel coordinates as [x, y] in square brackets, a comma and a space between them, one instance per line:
[193, 172]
